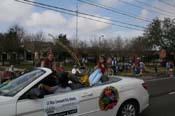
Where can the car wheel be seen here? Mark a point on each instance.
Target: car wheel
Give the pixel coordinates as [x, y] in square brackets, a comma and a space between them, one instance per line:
[128, 109]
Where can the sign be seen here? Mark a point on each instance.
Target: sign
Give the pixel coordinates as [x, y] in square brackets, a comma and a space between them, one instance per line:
[61, 107]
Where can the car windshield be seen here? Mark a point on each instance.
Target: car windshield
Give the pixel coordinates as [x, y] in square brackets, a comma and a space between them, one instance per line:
[13, 87]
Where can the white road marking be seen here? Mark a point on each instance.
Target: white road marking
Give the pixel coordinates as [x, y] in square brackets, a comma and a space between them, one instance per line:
[160, 79]
[171, 93]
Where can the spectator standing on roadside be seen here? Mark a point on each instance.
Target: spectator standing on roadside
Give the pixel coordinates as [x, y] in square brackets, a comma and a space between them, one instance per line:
[171, 68]
[156, 68]
[36, 59]
[11, 68]
[137, 70]
[142, 67]
[114, 64]
[133, 69]
[167, 68]
[137, 61]
[109, 66]
[12, 71]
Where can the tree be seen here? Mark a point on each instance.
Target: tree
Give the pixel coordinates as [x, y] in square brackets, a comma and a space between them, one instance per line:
[94, 48]
[80, 46]
[161, 33]
[1, 42]
[39, 41]
[138, 45]
[11, 43]
[117, 45]
[59, 50]
[1, 47]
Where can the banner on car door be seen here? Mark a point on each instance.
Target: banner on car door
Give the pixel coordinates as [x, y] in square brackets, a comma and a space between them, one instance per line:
[61, 106]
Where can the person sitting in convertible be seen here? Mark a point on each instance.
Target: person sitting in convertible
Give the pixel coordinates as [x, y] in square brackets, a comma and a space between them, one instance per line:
[62, 86]
[75, 70]
[100, 70]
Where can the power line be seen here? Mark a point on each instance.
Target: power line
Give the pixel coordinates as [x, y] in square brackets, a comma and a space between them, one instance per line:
[167, 3]
[73, 14]
[150, 5]
[137, 6]
[113, 10]
[117, 21]
[99, 17]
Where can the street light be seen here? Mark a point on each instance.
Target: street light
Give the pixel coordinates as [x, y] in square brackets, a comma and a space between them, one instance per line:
[100, 43]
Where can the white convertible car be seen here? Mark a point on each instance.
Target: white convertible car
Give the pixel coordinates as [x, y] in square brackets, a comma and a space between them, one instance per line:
[119, 96]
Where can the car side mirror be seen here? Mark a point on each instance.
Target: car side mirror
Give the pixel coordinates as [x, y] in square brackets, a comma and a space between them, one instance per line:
[35, 93]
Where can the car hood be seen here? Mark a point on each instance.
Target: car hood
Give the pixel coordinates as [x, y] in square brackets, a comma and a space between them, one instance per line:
[5, 99]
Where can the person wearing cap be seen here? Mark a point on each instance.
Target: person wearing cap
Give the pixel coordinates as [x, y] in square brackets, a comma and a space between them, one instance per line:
[75, 70]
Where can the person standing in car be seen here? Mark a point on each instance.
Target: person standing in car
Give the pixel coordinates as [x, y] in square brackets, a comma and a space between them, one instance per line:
[52, 79]
[49, 62]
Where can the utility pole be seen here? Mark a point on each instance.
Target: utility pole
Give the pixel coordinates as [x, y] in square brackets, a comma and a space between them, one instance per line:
[76, 19]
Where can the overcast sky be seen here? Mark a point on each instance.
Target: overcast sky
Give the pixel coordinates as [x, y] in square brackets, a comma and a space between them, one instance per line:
[35, 19]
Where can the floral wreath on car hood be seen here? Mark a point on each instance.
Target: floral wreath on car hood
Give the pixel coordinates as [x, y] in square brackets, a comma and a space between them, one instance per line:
[108, 98]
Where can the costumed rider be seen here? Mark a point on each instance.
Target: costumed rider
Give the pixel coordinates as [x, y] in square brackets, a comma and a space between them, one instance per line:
[100, 70]
[58, 81]
[62, 86]
[52, 80]
[75, 70]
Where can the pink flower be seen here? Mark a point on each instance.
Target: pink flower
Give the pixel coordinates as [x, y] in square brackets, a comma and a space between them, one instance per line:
[110, 106]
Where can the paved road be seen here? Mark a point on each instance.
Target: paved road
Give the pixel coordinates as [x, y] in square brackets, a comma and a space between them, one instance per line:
[162, 97]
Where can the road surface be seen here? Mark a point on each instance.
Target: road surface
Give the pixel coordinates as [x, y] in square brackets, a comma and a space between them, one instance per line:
[162, 97]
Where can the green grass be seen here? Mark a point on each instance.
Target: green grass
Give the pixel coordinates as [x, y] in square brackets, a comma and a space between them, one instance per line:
[25, 66]
[149, 71]
[1, 68]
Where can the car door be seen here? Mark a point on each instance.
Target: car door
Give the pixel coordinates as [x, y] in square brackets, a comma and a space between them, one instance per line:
[100, 112]
[100, 93]
[74, 103]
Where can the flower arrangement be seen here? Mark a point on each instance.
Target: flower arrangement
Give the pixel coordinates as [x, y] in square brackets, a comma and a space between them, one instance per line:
[109, 98]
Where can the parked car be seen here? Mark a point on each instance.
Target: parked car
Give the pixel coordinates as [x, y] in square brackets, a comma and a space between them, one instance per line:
[119, 96]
